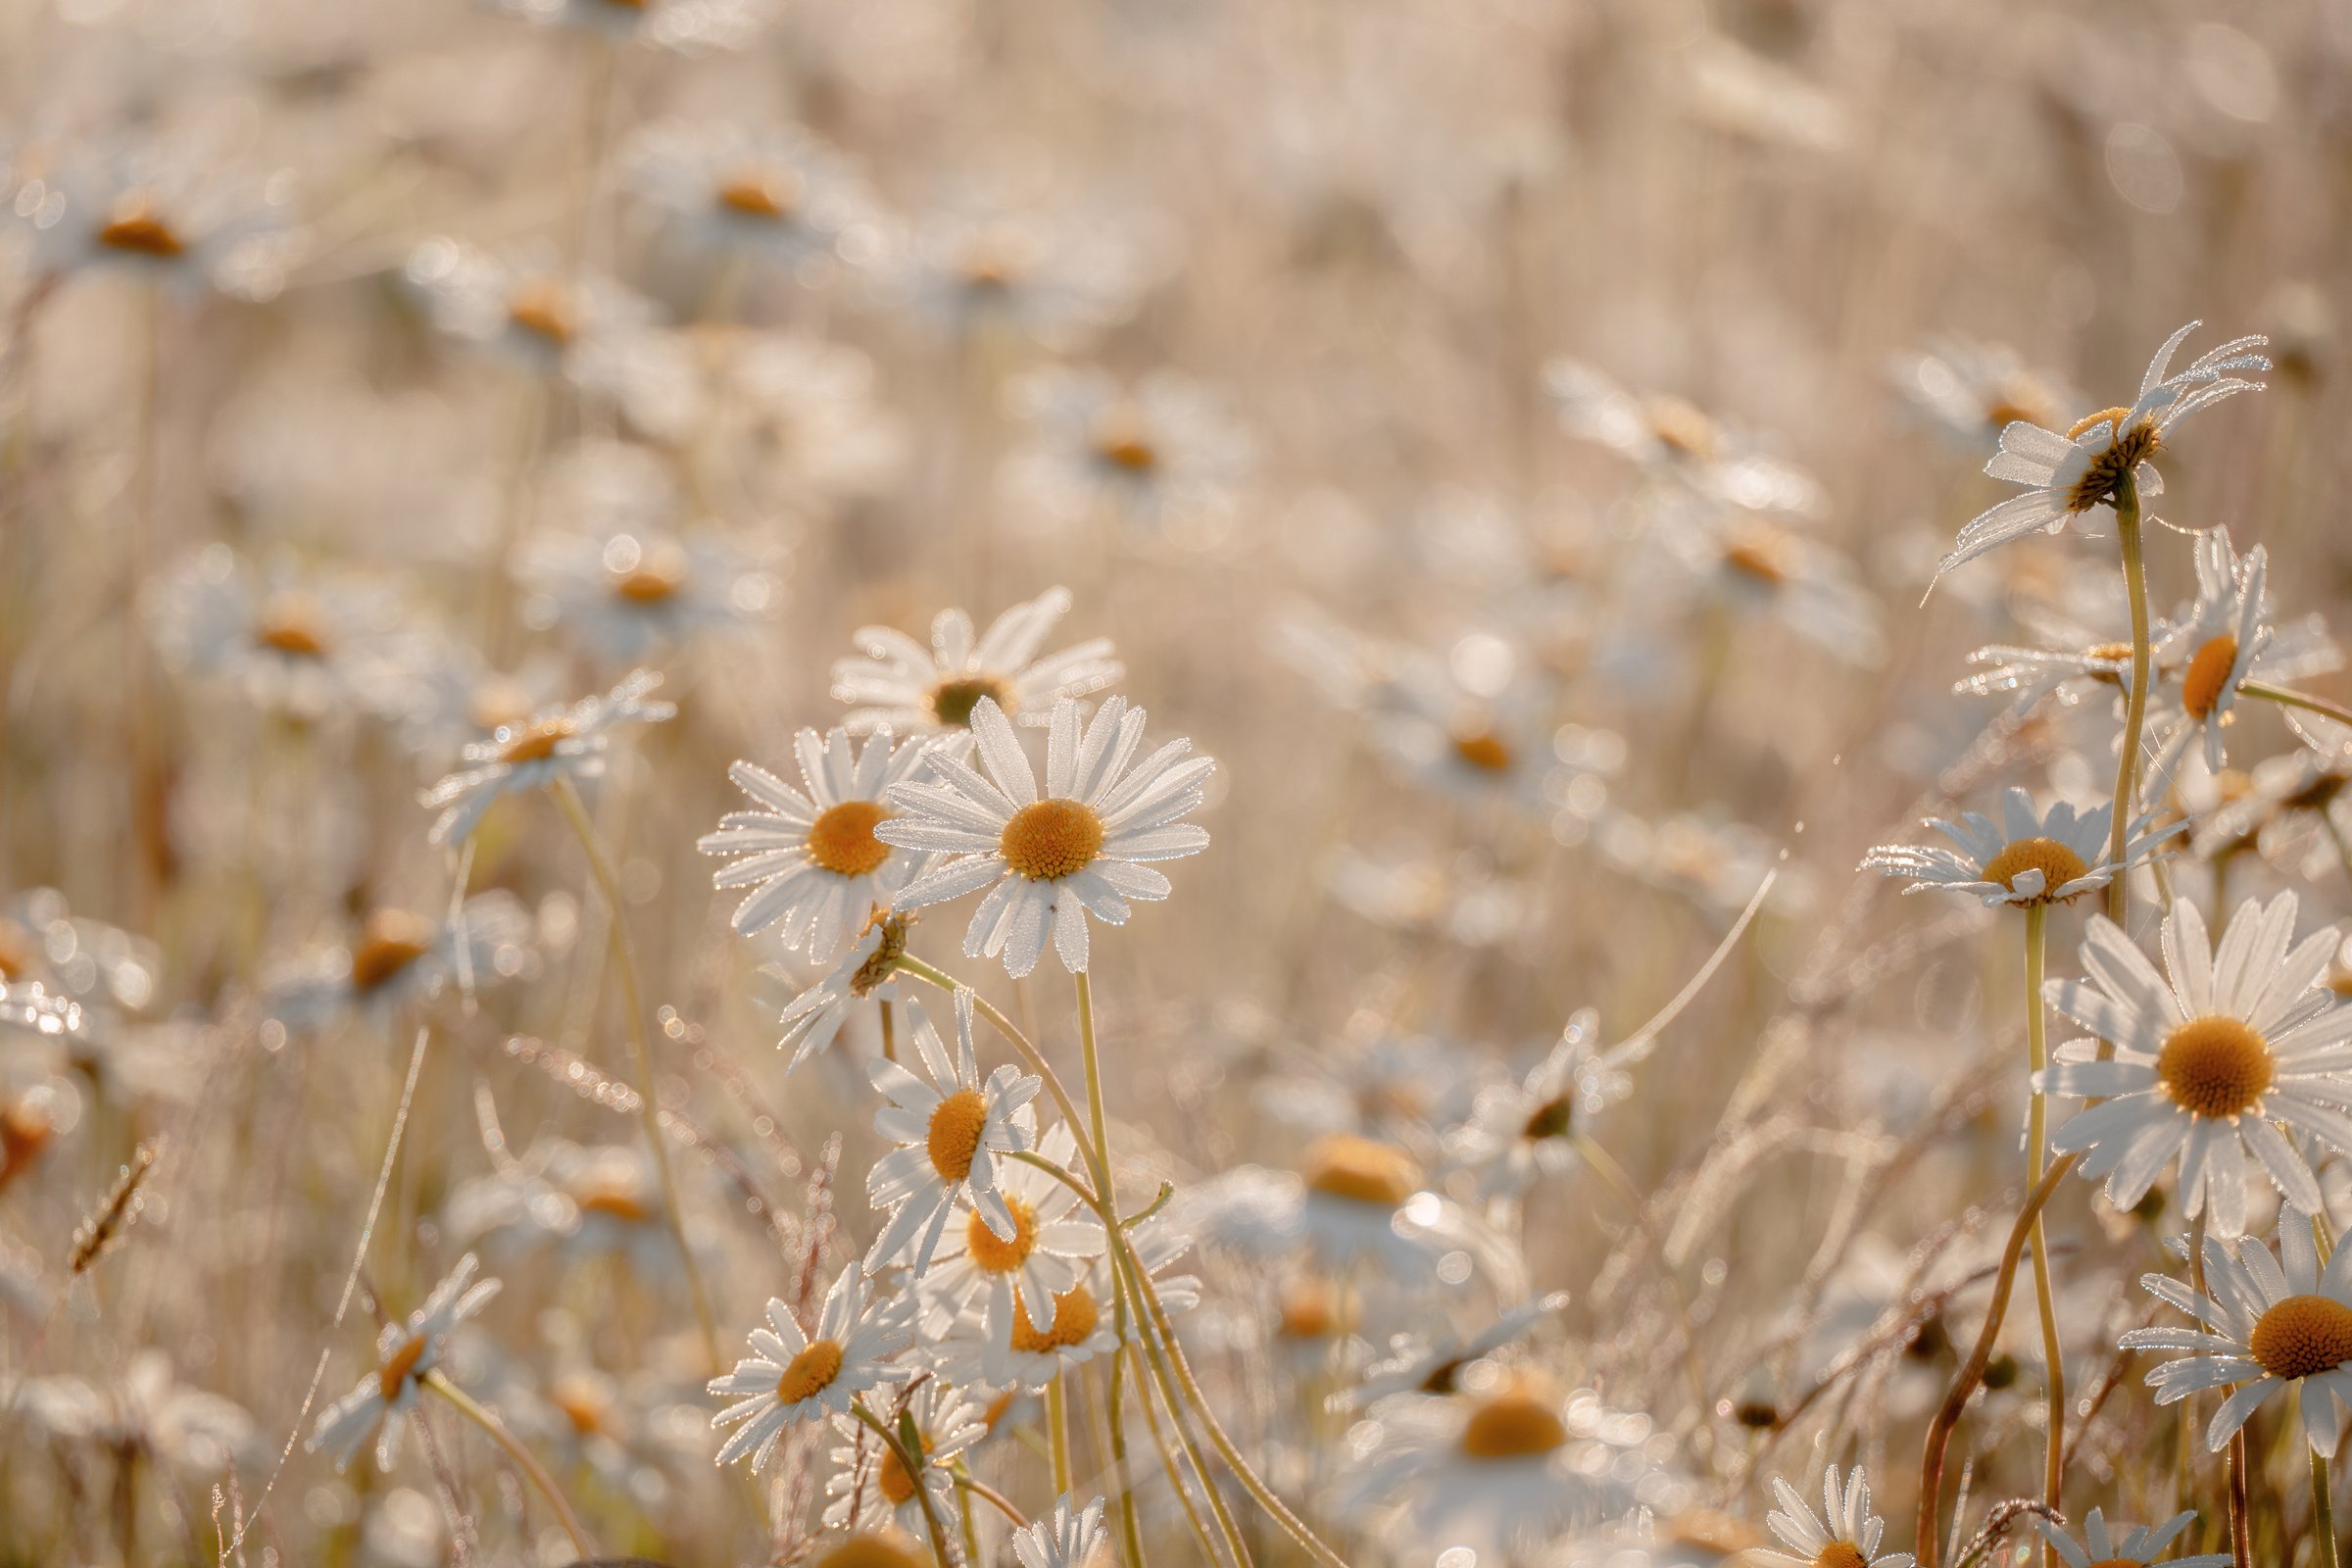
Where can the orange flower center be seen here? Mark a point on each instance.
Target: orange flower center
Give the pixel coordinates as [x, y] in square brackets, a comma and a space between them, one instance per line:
[1516, 1424]
[890, 1549]
[2303, 1335]
[954, 1136]
[992, 1253]
[292, 623]
[1310, 1311]
[390, 941]
[660, 570]
[396, 1372]
[616, 1196]
[1485, 750]
[1051, 839]
[1760, 551]
[2215, 1066]
[545, 310]
[538, 742]
[2208, 675]
[137, 231]
[1075, 1314]
[810, 1373]
[760, 193]
[842, 841]
[1840, 1554]
[896, 1484]
[1681, 426]
[952, 701]
[2057, 864]
[1360, 1170]
[583, 1401]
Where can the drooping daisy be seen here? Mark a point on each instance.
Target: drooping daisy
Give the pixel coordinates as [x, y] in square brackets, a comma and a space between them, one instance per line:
[774, 192]
[2076, 473]
[2207, 1061]
[2268, 1322]
[896, 682]
[400, 958]
[1018, 1271]
[556, 742]
[2105, 1546]
[810, 859]
[1814, 1540]
[1070, 1537]
[1525, 1128]
[635, 595]
[793, 1376]
[1049, 860]
[2226, 639]
[404, 1354]
[950, 1133]
[2027, 858]
[813, 1019]
[869, 1485]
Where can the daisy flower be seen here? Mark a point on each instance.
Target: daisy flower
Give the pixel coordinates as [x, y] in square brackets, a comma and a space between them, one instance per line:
[2076, 473]
[1070, 1537]
[778, 193]
[813, 1019]
[312, 648]
[793, 1376]
[2106, 1546]
[810, 859]
[1969, 393]
[1418, 1365]
[400, 959]
[2027, 858]
[1844, 1522]
[1489, 737]
[949, 1131]
[526, 308]
[2226, 639]
[1058, 278]
[870, 1483]
[1019, 1269]
[2269, 1322]
[1758, 566]
[1161, 453]
[556, 743]
[404, 1354]
[1524, 1129]
[895, 682]
[154, 210]
[1049, 860]
[633, 595]
[1675, 439]
[2206, 1059]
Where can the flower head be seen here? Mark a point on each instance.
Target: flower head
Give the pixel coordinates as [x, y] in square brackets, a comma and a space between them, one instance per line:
[949, 1131]
[403, 1353]
[895, 681]
[1843, 1534]
[2105, 1546]
[813, 1019]
[555, 743]
[1070, 1537]
[2027, 858]
[793, 1376]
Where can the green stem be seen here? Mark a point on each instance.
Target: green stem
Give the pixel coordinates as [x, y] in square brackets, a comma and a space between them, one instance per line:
[523, 1457]
[2294, 699]
[2323, 1502]
[1130, 1530]
[2135, 706]
[1058, 1432]
[625, 960]
[2037, 1157]
[912, 1466]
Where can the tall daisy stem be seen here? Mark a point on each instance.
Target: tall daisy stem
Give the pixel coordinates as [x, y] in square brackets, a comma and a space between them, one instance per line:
[2322, 1504]
[910, 1465]
[524, 1459]
[1098, 1121]
[2242, 1536]
[2294, 699]
[1057, 1431]
[2135, 706]
[625, 960]
[2038, 1159]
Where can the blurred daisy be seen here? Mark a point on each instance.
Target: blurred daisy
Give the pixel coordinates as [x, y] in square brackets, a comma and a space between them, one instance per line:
[2025, 675]
[525, 308]
[1675, 439]
[401, 958]
[1488, 737]
[2076, 473]
[2288, 809]
[793, 1376]
[633, 596]
[868, 1482]
[1760, 568]
[895, 682]
[404, 1354]
[1069, 1537]
[1160, 452]
[1417, 1365]
[2027, 858]
[307, 648]
[1054, 278]
[156, 211]
[2268, 1323]
[2206, 1060]
[593, 1201]
[811, 857]
[2226, 639]
[556, 743]
[683, 27]
[949, 1132]
[1050, 862]
[2102, 1544]
[813, 1019]
[1844, 1522]
[1969, 393]
[1527, 1128]
[777, 193]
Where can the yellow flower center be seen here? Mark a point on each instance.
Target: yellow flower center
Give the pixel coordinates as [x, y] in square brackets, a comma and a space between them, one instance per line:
[618, 1196]
[538, 742]
[1051, 839]
[1075, 1314]
[1120, 441]
[2124, 453]
[390, 941]
[896, 1484]
[1360, 1170]
[760, 193]
[2110, 652]
[1681, 426]
[2215, 1066]
[1310, 1309]
[954, 1136]
[660, 570]
[890, 1549]
[24, 1131]
[2057, 864]
[842, 840]
[810, 1373]
[2303, 1335]
[1761, 552]
[1840, 1554]
[545, 310]
[583, 1401]
[884, 958]
[395, 1372]
[952, 701]
[1516, 1424]
[136, 230]
[2208, 675]
[1485, 750]
[995, 1254]
[294, 625]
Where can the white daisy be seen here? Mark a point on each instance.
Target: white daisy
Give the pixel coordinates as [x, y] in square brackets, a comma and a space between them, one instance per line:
[2268, 1323]
[1970, 392]
[635, 595]
[2226, 639]
[526, 308]
[400, 957]
[1675, 439]
[2206, 1060]
[1161, 453]
[1069, 1537]
[1006, 1349]
[1525, 1128]
[774, 192]
[1421, 1365]
[950, 1133]
[158, 208]
[310, 647]
[870, 1483]
[1843, 1534]
[2027, 858]
[404, 1354]
[558, 742]
[897, 683]
[1758, 566]
[1050, 862]
[2076, 473]
[812, 858]
[1024, 1266]
[813, 1019]
[2105, 1546]
[793, 1377]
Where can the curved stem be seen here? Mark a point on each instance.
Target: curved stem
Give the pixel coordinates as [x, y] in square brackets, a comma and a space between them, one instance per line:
[2135, 706]
[523, 1457]
[966, 1482]
[912, 1466]
[1971, 1371]
[1168, 1459]
[2038, 1155]
[890, 1032]
[625, 960]
[2294, 699]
